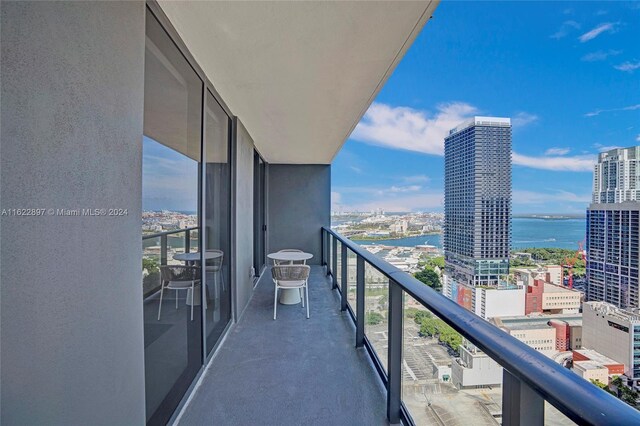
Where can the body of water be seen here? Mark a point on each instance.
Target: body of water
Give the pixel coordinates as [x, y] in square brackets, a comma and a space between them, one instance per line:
[526, 232]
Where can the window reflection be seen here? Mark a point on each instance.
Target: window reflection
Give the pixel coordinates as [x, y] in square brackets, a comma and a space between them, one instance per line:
[170, 182]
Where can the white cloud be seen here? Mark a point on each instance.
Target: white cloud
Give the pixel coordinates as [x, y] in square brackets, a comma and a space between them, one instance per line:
[628, 66]
[603, 148]
[600, 55]
[532, 197]
[415, 179]
[410, 188]
[605, 27]
[575, 163]
[600, 111]
[356, 169]
[638, 138]
[557, 151]
[564, 30]
[410, 129]
[523, 118]
[367, 198]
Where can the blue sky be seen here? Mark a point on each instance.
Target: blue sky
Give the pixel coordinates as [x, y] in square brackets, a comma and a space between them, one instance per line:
[568, 74]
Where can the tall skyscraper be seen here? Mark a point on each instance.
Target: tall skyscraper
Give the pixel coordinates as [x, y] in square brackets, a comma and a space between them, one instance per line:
[477, 228]
[617, 176]
[613, 229]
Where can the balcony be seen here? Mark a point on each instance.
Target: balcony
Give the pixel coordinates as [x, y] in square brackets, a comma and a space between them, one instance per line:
[292, 370]
[332, 366]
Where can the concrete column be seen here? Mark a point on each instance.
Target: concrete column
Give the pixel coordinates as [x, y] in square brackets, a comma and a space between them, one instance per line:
[299, 205]
[71, 296]
[244, 217]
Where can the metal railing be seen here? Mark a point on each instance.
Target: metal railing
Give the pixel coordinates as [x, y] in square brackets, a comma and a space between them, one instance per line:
[164, 247]
[529, 377]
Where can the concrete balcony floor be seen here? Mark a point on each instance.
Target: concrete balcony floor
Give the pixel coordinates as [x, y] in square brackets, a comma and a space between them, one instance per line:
[292, 370]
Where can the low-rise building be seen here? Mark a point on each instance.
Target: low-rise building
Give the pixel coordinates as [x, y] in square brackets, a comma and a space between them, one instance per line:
[548, 334]
[591, 370]
[614, 333]
[475, 369]
[545, 297]
[614, 367]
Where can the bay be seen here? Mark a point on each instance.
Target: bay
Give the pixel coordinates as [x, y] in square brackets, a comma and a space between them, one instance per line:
[525, 232]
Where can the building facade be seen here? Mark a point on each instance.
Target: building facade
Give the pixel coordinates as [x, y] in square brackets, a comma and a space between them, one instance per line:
[613, 240]
[613, 225]
[616, 178]
[477, 230]
[614, 333]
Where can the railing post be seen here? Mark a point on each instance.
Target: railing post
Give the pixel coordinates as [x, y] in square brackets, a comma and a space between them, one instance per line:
[322, 246]
[163, 249]
[521, 405]
[344, 269]
[360, 319]
[394, 353]
[187, 241]
[334, 263]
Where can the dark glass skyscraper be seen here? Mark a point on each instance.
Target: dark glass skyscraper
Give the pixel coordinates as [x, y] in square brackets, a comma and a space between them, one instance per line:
[477, 231]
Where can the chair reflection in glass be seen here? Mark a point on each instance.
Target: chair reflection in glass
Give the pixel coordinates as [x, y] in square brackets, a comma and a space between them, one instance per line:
[178, 278]
[213, 265]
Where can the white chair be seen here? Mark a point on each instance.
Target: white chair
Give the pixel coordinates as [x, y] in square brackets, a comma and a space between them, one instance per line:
[178, 278]
[291, 277]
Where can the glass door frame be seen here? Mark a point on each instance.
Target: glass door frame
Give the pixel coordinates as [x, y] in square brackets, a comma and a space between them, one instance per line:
[156, 11]
[231, 158]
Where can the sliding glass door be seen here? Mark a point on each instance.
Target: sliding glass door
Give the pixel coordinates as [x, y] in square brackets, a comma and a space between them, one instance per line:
[171, 181]
[217, 220]
[259, 205]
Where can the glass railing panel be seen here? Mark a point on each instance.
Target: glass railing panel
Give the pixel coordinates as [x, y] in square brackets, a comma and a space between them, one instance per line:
[376, 311]
[151, 252]
[330, 239]
[445, 379]
[351, 281]
[553, 416]
[338, 270]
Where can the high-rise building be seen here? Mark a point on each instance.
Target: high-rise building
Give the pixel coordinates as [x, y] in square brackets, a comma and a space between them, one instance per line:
[613, 225]
[477, 230]
[617, 176]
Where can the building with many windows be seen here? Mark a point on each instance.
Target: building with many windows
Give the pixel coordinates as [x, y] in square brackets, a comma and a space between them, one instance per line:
[616, 178]
[613, 250]
[613, 229]
[477, 229]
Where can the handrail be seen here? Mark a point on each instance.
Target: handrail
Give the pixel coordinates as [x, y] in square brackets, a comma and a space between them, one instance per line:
[173, 231]
[572, 395]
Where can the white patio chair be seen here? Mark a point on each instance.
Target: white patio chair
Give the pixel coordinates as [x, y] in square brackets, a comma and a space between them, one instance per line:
[178, 278]
[291, 277]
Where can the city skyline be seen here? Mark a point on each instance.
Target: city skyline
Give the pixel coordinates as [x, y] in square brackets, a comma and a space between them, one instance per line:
[556, 76]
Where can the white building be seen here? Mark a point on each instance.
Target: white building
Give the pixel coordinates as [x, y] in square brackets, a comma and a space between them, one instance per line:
[475, 369]
[493, 302]
[616, 177]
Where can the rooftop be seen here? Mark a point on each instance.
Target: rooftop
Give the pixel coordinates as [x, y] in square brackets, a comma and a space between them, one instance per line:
[482, 121]
[596, 357]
